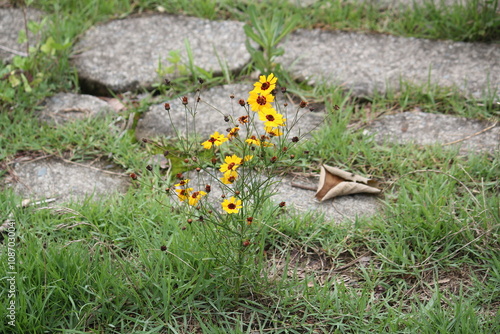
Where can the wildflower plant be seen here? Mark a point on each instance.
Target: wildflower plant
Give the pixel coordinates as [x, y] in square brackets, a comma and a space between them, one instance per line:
[225, 200]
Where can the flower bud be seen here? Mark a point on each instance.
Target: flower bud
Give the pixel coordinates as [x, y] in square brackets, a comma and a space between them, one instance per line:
[184, 100]
[167, 106]
[133, 176]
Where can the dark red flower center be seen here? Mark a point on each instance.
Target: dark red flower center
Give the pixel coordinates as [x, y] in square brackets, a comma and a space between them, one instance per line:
[231, 165]
[261, 100]
[212, 140]
[231, 206]
[195, 194]
[270, 118]
[265, 86]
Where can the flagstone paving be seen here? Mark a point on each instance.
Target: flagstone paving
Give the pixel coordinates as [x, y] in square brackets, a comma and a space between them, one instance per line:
[48, 178]
[123, 55]
[65, 107]
[428, 129]
[365, 63]
[11, 23]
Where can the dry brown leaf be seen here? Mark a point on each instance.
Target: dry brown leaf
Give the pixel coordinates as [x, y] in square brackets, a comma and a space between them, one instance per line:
[335, 182]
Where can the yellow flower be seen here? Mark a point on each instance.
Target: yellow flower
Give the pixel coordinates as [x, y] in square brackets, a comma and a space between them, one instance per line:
[233, 133]
[215, 139]
[195, 197]
[273, 132]
[265, 85]
[231, 163]
[253, 141]
[229, 177]
[231, 205]
[183, 193]
[258, 102]
[271, 118]
[248, 158]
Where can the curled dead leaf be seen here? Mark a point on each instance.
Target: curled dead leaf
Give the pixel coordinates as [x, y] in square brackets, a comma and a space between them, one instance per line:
[334, 182]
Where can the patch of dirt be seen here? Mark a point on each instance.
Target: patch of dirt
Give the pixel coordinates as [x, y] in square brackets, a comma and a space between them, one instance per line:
[317, 267]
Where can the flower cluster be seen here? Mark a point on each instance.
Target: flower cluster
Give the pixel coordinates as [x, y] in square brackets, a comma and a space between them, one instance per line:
[260, 99]
[187, 194]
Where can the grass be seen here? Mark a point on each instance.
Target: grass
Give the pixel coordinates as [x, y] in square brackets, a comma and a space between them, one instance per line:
[428, 263]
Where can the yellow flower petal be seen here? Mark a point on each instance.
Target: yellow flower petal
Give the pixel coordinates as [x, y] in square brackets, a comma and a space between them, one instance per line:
[231, 205]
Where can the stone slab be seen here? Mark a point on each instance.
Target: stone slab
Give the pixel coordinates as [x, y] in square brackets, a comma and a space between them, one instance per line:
[52, 178]
[214, 104]
[124, 55]
[341, 209]
[364, 63]
[11, 23]
[66, 107]
[427, 129]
